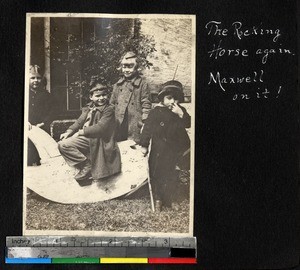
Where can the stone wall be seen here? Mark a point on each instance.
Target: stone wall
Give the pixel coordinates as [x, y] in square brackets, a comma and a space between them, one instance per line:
[173, 42]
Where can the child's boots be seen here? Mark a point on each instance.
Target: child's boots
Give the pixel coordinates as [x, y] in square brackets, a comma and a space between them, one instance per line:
[83, 177]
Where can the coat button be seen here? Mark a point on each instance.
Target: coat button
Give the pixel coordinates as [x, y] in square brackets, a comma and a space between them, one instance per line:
[162, 124]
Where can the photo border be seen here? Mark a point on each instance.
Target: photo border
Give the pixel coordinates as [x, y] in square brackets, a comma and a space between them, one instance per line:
[192, 137]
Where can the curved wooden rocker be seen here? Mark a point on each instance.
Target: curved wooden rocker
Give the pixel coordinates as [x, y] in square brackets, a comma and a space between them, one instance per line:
[54, 179]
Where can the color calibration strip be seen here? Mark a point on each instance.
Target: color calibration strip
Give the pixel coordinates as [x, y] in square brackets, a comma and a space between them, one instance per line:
[100, 250]
[100, 261]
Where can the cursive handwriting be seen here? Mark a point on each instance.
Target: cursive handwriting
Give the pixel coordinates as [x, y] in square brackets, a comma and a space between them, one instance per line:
[237, 29]
[220, 80]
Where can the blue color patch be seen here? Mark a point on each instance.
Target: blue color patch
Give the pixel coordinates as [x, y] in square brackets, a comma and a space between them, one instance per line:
[27, 260]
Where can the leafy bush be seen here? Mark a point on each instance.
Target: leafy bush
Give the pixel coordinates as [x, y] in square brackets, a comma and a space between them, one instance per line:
[98, 57]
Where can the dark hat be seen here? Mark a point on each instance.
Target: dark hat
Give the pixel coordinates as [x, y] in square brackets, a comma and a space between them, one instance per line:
[172, 88]
[35, 70]
[98, 87]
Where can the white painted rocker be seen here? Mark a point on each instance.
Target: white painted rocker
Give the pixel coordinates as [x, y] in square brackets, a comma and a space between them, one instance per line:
[54, 179]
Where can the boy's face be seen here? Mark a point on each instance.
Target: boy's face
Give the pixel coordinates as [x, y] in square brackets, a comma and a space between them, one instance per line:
[129, 67]
[169, 101]
[99, 97]
[35, 81]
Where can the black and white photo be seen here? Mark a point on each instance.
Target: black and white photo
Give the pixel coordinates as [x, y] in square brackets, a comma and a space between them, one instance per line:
[109, 124]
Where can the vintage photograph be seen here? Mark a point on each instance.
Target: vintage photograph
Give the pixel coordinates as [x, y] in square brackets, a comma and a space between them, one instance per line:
[109, 120]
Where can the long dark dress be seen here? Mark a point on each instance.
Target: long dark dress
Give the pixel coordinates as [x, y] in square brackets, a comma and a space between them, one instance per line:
[169, 140]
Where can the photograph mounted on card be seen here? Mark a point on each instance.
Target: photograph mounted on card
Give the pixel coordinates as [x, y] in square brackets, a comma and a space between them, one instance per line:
[109, 124]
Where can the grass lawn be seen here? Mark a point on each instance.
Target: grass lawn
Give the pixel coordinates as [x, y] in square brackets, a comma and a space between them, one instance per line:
[119, 215]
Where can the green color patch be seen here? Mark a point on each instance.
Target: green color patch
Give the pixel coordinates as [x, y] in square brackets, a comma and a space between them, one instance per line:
[75, 260]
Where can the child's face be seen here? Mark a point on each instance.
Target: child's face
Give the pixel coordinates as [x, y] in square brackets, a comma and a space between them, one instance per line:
[99, 97]
[129, 67]
[169, 101]
[35, 81]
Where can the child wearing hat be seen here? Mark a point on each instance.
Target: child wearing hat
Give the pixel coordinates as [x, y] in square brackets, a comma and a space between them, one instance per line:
[41, 102]
[130, 97]
[89, 143]
[40, 111]
[166, 128]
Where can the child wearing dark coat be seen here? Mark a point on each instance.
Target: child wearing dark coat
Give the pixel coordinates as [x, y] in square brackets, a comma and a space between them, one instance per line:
[89, 144]
[166, 128]
[41, 109]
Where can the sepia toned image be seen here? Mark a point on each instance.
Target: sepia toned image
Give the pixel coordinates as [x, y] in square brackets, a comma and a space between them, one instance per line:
[109, 125]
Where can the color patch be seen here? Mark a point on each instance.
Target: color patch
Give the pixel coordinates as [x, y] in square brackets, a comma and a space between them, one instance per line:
[172, 261]
[27, 261]
[123, 260]
[75, 260]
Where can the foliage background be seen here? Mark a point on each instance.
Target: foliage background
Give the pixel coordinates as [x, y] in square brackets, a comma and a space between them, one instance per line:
[97, 57]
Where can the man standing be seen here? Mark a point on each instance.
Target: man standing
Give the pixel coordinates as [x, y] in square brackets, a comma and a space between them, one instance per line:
[130, 97]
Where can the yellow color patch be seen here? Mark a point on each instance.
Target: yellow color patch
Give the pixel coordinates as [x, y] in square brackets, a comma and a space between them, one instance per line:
[123, 260]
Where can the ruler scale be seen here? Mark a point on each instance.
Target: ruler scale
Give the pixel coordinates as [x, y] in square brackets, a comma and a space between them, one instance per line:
[85, 252]
[53, 241]
[66, 249]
